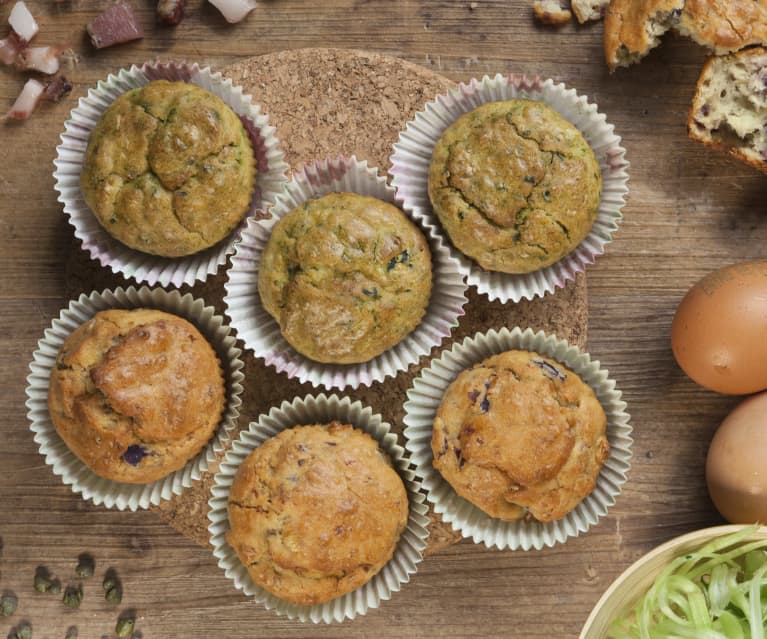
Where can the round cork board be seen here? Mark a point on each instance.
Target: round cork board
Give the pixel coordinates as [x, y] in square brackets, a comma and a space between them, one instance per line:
[325, 103]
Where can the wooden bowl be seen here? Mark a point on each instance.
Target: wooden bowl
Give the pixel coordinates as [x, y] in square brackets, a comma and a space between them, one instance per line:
[624, 592]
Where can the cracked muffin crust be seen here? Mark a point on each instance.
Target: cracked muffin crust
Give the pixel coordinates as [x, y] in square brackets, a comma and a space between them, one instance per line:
[135, 394]
[729, 110]
[346, 276]
[520, 435]
[169, 169]
[515, 185]
[725, 25]
[316, 511]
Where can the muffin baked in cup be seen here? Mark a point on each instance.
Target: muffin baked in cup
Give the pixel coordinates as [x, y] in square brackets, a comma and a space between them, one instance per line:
[556, 358]
[313, 410]
[261, 332]
[415, 151]
[169, 254]
[151, 331]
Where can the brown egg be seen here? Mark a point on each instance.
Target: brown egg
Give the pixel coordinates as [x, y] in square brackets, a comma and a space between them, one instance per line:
[719, 332]
[736, 467]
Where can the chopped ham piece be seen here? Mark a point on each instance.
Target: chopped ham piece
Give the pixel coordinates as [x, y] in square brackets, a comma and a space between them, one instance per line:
[10, 48]
[234, 10]
[43, 59]
[27, 101]
[116, 25]
[22, 21]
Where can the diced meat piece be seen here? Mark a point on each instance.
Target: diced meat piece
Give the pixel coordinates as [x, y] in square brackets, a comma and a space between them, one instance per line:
[22, 21]
[42, 59]
[234, 10]
[116, 25]
[10, 48]
[27, 101]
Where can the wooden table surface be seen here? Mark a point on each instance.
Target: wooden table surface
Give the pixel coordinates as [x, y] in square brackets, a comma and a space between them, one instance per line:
[690, 211]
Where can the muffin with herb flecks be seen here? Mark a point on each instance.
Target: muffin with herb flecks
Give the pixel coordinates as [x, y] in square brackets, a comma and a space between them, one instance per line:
[136, 394]
[169, 169]
[316, 511]
[346, 277]
[515, 185]
[520, 435]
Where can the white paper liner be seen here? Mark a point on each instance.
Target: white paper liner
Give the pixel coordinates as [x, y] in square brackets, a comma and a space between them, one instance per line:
[321, 409]
[413, 152]
[112, 253]
[72, 471]
[261, 332]
[424, 399]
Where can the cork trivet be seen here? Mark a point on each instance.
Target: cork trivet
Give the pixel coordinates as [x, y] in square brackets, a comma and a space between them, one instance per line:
[323, 103]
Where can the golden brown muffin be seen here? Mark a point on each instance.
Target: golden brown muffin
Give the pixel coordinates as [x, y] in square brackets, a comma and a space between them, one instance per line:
[346, 276]
[520, 435]
[729, 110]
[725, 25]
[634, 27]
[315, 512]
[136, 394]
[169, 169]
[515, 185]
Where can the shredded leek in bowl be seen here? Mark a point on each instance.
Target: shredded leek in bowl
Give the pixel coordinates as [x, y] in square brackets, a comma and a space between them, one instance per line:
[716, 592]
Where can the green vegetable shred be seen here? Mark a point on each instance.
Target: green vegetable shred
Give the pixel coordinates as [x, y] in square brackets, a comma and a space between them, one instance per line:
[717, 592]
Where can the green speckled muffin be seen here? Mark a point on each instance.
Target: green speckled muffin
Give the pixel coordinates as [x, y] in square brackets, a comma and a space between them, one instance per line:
[346, 276]
[515, 185]
[169, 169]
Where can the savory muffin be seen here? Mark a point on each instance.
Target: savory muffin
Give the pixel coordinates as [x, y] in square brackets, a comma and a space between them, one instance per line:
[729, 110]
[315, 512]
[346, 276]
[519, 435]
[515, 185]
[135, 394]
[169, 169]
[634, 27]
[725, 25]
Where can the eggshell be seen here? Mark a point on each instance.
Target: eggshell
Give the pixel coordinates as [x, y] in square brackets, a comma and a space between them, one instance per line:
[719, 332]
[736, 466]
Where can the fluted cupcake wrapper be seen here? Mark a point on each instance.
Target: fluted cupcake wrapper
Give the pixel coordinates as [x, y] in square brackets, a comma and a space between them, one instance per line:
[63, 461]
[321, 409]
[414, 149]
[425, 396]
[70, 154]
[260, 331]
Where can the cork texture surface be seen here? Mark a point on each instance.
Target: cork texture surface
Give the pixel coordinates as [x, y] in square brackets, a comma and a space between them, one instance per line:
[325, 103]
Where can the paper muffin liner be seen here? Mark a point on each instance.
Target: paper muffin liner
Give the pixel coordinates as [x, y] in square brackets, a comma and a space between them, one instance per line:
[412, 157]
[321, 409]
[425, 396]
[64, 462]
[261, 332]
[70, 154]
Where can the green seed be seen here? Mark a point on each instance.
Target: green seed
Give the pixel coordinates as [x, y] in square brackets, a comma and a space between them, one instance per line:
[8, 605]
[71, 632]
[85, 566]
[24, 631]
[114, 595]
[42, 582]
[124, 627]
[73, 595]
[55, 586]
